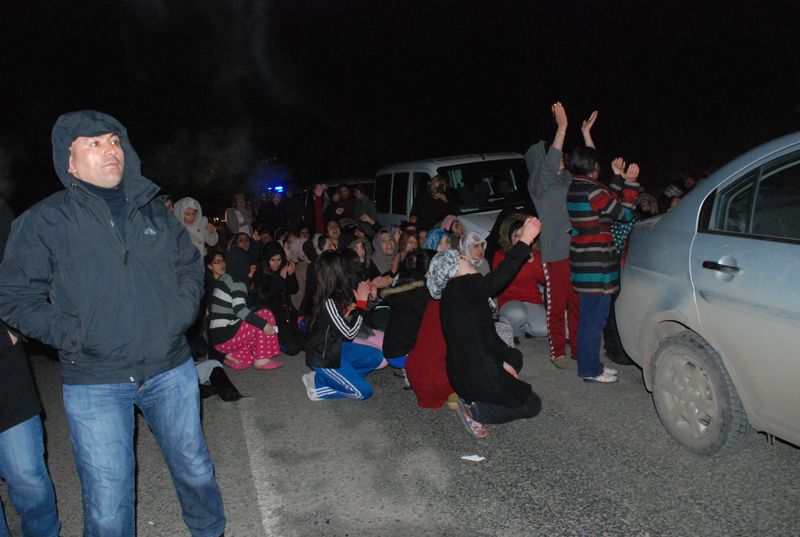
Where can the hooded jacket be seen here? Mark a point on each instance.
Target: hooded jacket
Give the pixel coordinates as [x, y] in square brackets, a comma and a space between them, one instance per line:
[274, 292]
[548, 188]
[197, 229]
[115, 305]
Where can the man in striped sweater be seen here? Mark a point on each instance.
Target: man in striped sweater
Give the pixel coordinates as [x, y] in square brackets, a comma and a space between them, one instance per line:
[594, 263]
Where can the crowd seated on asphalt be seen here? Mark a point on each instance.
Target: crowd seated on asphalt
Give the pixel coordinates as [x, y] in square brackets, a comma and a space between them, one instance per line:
[319, 274]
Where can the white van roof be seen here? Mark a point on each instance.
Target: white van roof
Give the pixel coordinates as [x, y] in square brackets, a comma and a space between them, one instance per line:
[432, 164]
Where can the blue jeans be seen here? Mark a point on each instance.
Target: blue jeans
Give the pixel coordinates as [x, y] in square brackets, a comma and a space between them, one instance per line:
[23, 469]
[101, 421]
[594, 314]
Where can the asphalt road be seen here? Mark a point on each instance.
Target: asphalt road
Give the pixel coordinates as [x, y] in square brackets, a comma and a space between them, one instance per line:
[596, 462]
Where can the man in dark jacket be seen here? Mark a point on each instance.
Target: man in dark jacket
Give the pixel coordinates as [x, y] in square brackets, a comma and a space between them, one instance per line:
[22, 464]
[102, 272]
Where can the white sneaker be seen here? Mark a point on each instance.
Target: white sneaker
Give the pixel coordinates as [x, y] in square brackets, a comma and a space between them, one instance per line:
[308, 382]
[603, 378]
[610, 371]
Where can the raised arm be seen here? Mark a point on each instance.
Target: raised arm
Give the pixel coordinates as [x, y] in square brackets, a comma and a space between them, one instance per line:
[586, 129]
[544, 168]
[493, 283]
[560, 115]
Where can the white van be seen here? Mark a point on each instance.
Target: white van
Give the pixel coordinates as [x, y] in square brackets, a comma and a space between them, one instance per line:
[484, 185]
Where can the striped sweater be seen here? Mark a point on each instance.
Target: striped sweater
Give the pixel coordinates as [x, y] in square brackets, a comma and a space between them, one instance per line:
[228, 308]
[592, 207]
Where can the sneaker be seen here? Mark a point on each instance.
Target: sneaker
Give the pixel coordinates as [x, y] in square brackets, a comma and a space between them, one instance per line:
[610, 371]
[310, 384]
[475, 428]
[564, 362]
[603, 378]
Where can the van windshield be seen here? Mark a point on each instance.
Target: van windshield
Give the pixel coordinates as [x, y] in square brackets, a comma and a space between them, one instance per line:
[487, 183]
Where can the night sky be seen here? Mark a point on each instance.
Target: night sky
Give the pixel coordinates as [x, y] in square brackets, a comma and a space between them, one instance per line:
[217, 94]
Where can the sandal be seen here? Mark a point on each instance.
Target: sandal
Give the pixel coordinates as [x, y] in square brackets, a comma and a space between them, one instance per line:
[475, 428]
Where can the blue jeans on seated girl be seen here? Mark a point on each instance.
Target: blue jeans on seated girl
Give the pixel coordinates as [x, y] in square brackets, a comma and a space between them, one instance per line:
[347, 381]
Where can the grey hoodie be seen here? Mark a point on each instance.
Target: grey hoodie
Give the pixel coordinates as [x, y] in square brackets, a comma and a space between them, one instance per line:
[115, 305]
[548, 188]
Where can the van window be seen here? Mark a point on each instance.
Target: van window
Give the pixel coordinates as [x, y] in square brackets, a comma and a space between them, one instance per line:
[383, 191]
[482, 183]
[400, 193]
[420, 180]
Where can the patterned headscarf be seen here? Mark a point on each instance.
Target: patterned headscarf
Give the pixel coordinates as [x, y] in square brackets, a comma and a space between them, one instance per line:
[442, 268]
[433, 238]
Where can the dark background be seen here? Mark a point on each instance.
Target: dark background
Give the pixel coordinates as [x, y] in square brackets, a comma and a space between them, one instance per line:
[220, 95]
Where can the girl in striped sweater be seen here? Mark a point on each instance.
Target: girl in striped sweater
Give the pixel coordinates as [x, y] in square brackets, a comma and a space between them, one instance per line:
[594, 263]
[246, 337]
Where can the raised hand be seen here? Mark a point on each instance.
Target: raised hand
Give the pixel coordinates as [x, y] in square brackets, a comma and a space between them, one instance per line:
[618, 166]
[632, 173]
[530, 229]
[560, 115]
[587, 124]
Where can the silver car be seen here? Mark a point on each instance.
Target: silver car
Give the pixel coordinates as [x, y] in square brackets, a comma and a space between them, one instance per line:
[710, 304]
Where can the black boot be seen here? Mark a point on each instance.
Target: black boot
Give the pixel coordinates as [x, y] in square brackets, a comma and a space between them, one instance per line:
[206, 391]
[223, 385]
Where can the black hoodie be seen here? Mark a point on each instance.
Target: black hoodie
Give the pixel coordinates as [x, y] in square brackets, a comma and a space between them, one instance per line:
[275, 292]
[115, 305]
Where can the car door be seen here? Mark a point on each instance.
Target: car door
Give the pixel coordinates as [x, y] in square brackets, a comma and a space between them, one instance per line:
[745, 265]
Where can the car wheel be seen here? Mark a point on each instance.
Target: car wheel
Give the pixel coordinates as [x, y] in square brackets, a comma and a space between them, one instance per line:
[695, 397]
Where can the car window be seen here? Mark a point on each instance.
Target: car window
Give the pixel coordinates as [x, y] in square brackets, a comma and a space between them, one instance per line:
[383, 191]
[733, 207]
[777, 204]
[765, 203]
[400, 193]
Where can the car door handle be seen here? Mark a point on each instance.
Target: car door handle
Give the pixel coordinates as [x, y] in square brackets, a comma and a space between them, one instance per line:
[726, 269]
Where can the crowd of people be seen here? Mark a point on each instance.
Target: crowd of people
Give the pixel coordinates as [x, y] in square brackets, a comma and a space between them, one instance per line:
[439, 304]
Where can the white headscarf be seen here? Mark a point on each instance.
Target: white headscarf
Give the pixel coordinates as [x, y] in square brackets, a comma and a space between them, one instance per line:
[197, 229]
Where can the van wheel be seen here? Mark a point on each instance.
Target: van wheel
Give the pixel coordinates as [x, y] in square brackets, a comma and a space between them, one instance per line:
[695, 397]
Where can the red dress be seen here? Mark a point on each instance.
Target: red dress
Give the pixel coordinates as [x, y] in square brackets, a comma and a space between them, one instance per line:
[425, 365]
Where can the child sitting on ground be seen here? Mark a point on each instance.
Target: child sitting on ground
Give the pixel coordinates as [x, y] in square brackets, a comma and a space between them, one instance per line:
[339, 366]
[246, 337]
[482, 369]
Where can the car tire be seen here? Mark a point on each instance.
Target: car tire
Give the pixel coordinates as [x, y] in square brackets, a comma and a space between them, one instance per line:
[696, 399]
